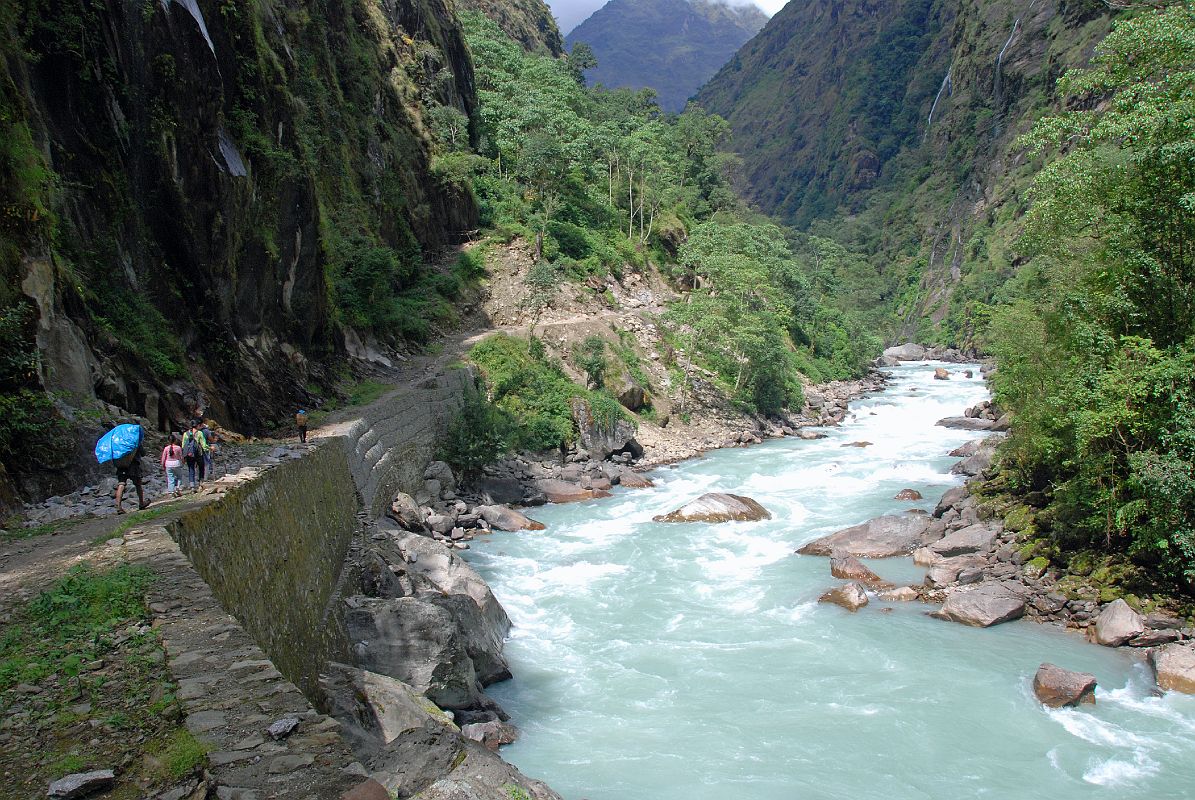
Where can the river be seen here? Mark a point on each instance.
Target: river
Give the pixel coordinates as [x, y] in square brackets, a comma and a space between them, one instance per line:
[693, 662]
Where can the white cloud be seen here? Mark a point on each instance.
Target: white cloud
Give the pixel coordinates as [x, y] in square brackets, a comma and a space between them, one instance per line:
[571, 13]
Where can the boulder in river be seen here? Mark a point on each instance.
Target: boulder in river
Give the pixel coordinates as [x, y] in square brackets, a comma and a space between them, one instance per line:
[950, 499]
[908, 494]
[1057, 687]
[977, 538]
[966, 423]
[850, 568]
[901, 594]
[565, 492]
[978, 461]
[1174, 665]
[850, 596]
[717, 507]
[941, 374]
[983, 606]
[906, 352]
[966, 450]
[492, 734]
[882, 537]
[633, 480]
[1116, 624]
[507, 519]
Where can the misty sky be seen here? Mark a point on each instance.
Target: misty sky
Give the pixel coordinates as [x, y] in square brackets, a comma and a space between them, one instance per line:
[571, 13]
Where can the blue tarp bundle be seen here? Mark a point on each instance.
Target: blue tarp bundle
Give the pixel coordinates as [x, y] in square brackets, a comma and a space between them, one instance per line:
[117, 443]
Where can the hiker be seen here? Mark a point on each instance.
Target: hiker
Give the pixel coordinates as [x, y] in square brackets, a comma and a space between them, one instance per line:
[194, 450]
[128, 467]
[172, 464]
[211, 438]
[301, 422]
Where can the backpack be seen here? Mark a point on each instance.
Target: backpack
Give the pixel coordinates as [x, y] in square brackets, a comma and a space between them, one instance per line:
[300, 419]
[191, 447]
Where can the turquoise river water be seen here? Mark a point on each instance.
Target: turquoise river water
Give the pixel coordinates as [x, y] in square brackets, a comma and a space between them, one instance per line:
[693, 662]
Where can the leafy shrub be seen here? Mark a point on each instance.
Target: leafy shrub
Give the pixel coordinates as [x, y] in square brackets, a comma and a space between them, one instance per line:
[479, 435]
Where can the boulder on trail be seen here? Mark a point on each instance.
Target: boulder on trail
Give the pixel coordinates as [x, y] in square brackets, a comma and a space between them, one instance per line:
[850, 568]
[983, 606]
[850, 596]
[907, 494]
[1174, 666]
[977, 538]
[1057, 687]
[882, 537]
[507, 519]
[1116, 624]
[717, 507]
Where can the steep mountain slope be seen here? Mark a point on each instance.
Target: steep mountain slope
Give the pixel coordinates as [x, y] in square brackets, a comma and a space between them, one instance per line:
[673, 46]
[201, 199]
[889, 126]
[528, 22]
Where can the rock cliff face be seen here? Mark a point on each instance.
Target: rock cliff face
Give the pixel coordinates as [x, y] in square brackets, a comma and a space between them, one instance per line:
[672, 46]
[202, 198]
[891, 124]
[528, 22]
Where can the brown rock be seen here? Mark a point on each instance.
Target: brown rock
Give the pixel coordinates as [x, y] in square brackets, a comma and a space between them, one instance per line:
[565, 492]
[941, 374]
[492, 734]
[857, 444]
[369, 790]
[717, 507]
[507, 519]
[850, 596]
[633, 480]
[908, 494]
[850, 568]
[1174, 665]
[901, 594]
[1057, 687]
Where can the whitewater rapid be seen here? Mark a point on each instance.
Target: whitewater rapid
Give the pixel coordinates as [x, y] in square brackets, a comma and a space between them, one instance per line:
[693, 662]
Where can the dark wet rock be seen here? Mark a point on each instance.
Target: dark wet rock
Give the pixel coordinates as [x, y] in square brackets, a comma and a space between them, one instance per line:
[857, 444]
[1174, 666]
[1117, 624]
[850, 568]
[81, 784]
[850, 596]
[496, 490]
[507, 519]
[1162, 621]
[882, 537]
[603, 439]
[717, 507]
[983, 606]
[977, 538]
[1057, 687]
[908, 494]
[966, 423]
[1152, 638]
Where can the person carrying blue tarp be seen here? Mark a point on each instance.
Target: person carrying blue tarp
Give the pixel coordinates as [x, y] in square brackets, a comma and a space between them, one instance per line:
[122, 446]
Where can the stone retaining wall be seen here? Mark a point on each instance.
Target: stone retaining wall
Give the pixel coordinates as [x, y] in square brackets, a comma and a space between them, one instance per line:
[272, 551]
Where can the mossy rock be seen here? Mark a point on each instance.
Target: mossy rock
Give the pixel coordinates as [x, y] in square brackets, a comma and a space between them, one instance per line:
[1018, 518]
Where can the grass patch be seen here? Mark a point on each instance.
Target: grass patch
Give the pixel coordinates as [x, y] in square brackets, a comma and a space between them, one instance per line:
[14, 531]
[84, 685]
[136, 518]
[365, 392]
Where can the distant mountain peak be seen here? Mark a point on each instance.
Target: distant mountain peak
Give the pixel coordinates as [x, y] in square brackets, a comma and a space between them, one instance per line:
[672, 46]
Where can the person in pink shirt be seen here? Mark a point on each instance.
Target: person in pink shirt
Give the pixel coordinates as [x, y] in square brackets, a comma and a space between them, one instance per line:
[172, 465]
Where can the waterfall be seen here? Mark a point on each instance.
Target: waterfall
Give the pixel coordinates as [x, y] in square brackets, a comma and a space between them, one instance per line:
[193, 8]
[946, 86]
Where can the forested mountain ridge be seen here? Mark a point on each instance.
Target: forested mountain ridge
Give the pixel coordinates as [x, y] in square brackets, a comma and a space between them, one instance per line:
[887, 129]
[671, 46]
[203, 202]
